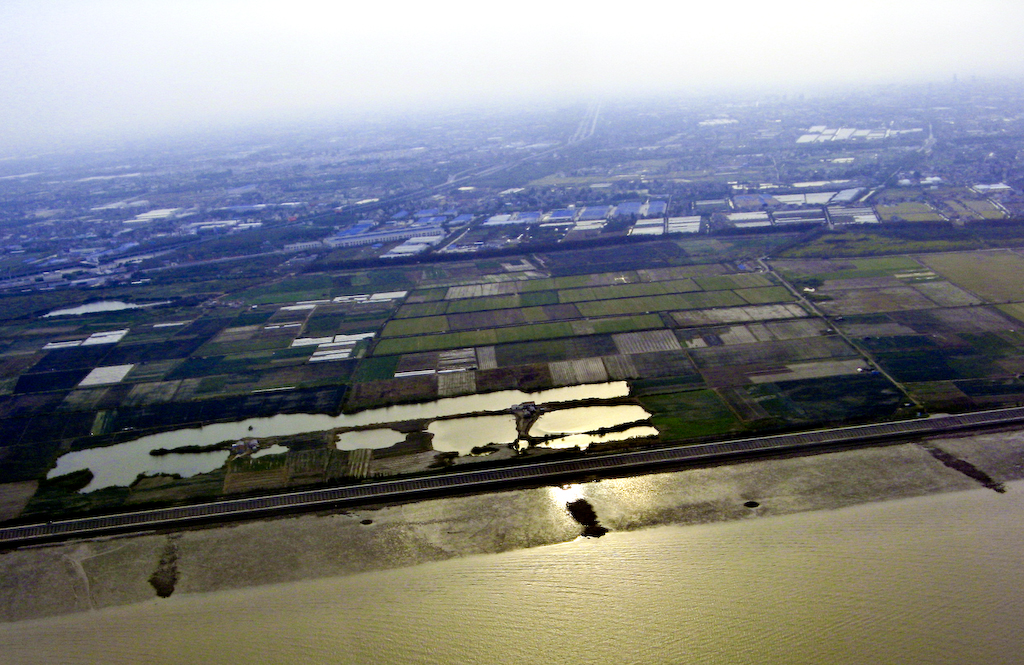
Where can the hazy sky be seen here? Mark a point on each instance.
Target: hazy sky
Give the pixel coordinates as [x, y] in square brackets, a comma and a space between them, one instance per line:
[97, 67]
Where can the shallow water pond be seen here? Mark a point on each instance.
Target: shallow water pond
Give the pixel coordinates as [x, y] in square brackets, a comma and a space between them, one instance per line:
[99, 306]
[461, 435]
[587, 419]
[120, 464]
[368, 438]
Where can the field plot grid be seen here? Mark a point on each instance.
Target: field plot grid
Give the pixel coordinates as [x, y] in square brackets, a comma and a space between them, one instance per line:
[743, 335]
[487, 319]
[456, 360]
[865, 300]
[995, 276]
[620, 367]
[627, 290]
[945, 294]
[704, 317]
[795, 329]
[152, 393]
[646, 342]
[481, 290]
[811, 370]
[574, 372]
[745, 406]
[450, 384]
[773, 353]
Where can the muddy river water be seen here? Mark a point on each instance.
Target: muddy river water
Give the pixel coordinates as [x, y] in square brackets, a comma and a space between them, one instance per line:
[932, 579]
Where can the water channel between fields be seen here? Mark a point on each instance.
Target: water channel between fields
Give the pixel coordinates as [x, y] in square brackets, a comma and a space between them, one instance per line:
[122, 463]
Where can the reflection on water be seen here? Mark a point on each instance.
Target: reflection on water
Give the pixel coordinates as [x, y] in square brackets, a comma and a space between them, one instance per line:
[461, 435]
[586, 440]
[92, 308]
[100, 306]
[122, 463]
[577, 423]
[368, 438]
[563, 494]
[928, 580]
[587, 419]
[272, 450]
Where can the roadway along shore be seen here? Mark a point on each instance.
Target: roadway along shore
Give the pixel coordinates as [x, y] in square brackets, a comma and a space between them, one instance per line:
[411, 489]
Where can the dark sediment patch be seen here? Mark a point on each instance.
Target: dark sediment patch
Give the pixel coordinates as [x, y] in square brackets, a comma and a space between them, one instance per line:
[165, 577]
[584, 513]
[964, 467]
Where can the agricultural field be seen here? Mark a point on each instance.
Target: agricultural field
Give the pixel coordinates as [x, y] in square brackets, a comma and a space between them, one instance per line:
[862, 286]
[713, 349]
[856, 243]
[908, 211]
[659, 329]
[995, 276]
[945, 326]
[973, 209]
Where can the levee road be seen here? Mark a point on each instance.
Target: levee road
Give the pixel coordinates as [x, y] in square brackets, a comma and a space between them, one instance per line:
[542, 472]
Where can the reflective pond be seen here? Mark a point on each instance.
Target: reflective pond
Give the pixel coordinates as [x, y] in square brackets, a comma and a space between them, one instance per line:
[99, 306]
[461, 435]
[121, 464]
[368, 438]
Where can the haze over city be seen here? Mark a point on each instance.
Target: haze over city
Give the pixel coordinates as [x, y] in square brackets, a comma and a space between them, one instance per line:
[511, 332]
[97, 69]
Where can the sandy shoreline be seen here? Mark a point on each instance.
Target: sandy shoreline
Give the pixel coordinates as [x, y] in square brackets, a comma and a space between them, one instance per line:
[52, 580]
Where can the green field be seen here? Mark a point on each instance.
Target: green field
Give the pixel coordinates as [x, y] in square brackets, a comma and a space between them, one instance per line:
[696, 300]
[737, 281]
[997, 276]
[853, 244]
[765, 295]
[507, 334]
[685, 415]
[419, 326]
[295, 289]
[412, 309]
[908, 211]
[481, 304]
[627, 290]
[1016, 310]
[626, 324]
[473, 338]
[974, 208]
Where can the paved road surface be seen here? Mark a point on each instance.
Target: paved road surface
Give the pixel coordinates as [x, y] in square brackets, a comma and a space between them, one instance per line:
[489, 479]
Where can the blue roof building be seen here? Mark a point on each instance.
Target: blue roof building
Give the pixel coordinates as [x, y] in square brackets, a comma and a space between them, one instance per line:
[564, 214]
[627, 208]
[656, 208]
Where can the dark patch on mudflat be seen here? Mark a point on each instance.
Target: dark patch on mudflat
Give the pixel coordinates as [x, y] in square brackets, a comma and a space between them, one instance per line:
[964, 467]
[165, 577]
[584, 513]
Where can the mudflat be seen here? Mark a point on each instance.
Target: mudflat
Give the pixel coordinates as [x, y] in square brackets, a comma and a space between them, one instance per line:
[51, 580]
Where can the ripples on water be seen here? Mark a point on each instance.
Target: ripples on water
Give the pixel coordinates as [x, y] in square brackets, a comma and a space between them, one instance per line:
[926, 580]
